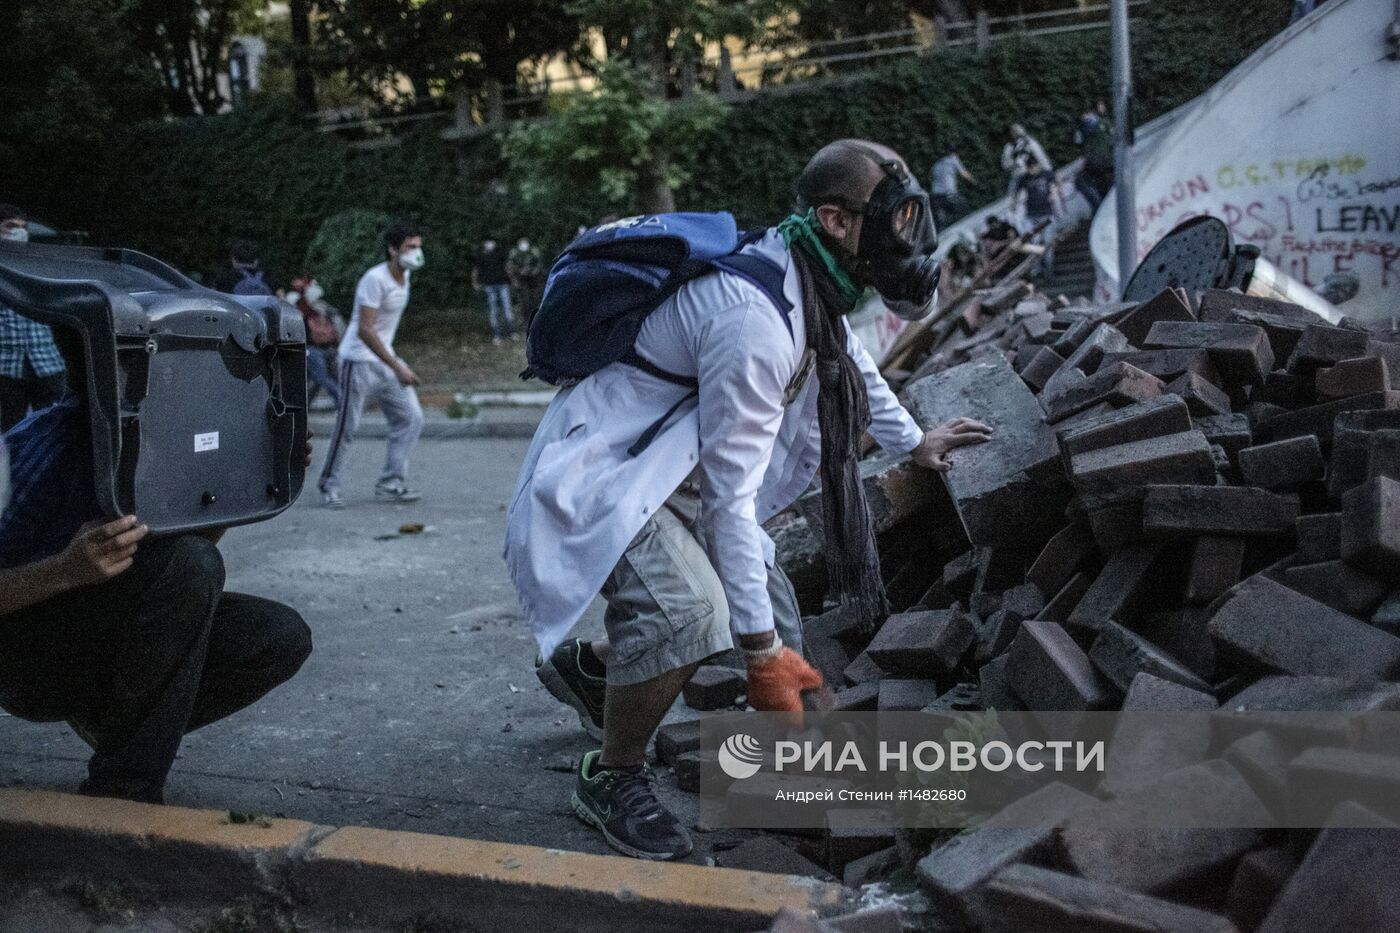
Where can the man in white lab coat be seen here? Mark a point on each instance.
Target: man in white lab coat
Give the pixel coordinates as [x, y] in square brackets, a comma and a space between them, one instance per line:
[672, 536]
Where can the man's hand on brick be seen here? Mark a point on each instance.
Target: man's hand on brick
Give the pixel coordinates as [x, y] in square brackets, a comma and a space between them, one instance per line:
[932, 452]
[778, 676]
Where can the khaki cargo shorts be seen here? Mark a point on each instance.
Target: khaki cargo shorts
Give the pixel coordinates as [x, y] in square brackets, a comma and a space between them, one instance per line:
[666, 605]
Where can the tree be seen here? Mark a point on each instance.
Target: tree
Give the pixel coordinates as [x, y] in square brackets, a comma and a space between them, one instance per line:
[187, 41]
[618, 138]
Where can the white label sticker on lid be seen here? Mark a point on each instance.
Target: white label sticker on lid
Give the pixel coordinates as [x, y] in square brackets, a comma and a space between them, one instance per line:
[203, 442]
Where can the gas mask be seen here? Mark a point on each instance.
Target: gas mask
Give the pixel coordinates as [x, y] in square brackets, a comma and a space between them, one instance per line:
[897, 240]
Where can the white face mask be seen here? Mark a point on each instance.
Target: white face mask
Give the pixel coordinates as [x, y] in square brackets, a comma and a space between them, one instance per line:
[17, 235]
[314, 293]
[412, 259]
[523, 245]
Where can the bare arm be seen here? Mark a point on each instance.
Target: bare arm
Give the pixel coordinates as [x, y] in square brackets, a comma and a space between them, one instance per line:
[370, 336]
[97, 553]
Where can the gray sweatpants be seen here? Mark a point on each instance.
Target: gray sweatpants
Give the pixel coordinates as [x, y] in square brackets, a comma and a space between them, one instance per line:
[359, 382]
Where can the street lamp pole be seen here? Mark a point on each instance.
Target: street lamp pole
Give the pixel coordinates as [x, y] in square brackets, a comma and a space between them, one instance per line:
[1123, 182]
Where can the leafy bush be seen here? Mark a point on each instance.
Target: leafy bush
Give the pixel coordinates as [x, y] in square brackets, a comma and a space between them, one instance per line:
[345, 245]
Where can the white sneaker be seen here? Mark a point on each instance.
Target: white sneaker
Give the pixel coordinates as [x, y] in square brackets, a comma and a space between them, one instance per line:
[395, 492]
[331, 499]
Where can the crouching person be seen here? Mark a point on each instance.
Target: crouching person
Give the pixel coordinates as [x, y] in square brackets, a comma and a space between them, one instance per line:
[649, 479]
[130, 639]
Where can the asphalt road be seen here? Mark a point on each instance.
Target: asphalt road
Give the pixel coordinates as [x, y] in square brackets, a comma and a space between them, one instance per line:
[419, 708]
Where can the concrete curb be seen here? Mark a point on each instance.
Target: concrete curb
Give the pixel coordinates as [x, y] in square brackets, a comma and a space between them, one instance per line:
[358, 873]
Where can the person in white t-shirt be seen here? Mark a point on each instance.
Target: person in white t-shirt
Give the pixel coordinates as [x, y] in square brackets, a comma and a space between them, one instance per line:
[369, 369]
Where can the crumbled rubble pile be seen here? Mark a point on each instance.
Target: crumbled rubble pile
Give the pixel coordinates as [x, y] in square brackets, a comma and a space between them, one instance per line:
[1189, 503]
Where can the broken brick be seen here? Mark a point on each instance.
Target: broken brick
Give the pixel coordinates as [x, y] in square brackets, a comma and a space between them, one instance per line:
[1124, 577]
[675, 739]
[1116, 526]
[1122, 655]
[990, 483]
[1258, 879]
[1284, 464]
[1241, 352]
[1058, 609]
[922, 643]
[1324, 345]
[1038, 370]
[1121, 472]
[1318, 419]
[1201, 397]
[1371, 527]
[853, 833]
[1216, 510]
[1319, 537]
[1353, 377]
[1060, 558]
[1026, 897]
[1215, 567]
[1341, 586]
[712, 687]
[1264, 622]
[1118, 384]
[1049, 671]
[1170, 304]
[995, 689]
[861, 697]
[906, 695]
[1232, 432]
[1168, 365]
[1156, 417]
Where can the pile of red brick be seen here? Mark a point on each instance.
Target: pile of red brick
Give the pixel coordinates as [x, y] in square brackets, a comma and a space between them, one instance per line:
[1189, 503]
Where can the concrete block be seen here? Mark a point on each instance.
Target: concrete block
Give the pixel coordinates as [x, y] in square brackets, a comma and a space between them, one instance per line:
[922, 644]
[1353, 434]
[1025, 897]
[1371, 527]
[1217, 303]
[1318, 419]
[1201, 397]
[1232, 511]
[1214, 568]
[1261, 757]
[1338, 585]
[953, 872]
[859, 698]
[1150, 693]
[960, 573]
[839, 622]
[1086, 357]
[1060, 558]
[1338, 886]
[1118, 384]
[863, 669]
[1184, 634]
[1324, 345]
[1232, 432]
[1111, 474]
[906, 695]
[1049, 671]
[995, 688]
[1241, 352]
[1108, 844]
[1320, 778]
[1074, 334]
[1265, 622]
[1259, 878]
[1383, 454]
[853, 833]
[991, 483]
[1168, 365]
[1123, 578]
[1285, 464]
[829, 656]
[1387, 615]
[1170, 304]
[1144, 747]
[1121, 655]
[675, 739]
[1038, 370]
[689, 766]
[1284, 332]
[1289, 390]
[712, 687]
[1058, 609]
[765, 853]
[1353, 377]
[1319, 537]
[1116, 526]
[871, 868]
[895, 490]
[1156, 417]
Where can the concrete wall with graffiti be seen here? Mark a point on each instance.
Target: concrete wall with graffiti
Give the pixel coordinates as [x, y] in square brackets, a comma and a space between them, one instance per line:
[1298, 151]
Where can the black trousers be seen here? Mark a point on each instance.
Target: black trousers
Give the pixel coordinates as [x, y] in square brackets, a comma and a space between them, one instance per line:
[137, 662]
[18, 396]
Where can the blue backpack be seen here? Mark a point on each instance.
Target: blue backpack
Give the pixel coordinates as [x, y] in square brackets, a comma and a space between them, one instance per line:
[603, 286]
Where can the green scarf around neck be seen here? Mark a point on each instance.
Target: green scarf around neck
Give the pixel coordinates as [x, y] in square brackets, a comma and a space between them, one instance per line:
[801, 229]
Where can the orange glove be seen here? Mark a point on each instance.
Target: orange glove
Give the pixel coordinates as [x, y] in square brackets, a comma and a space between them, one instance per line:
[777, 685]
